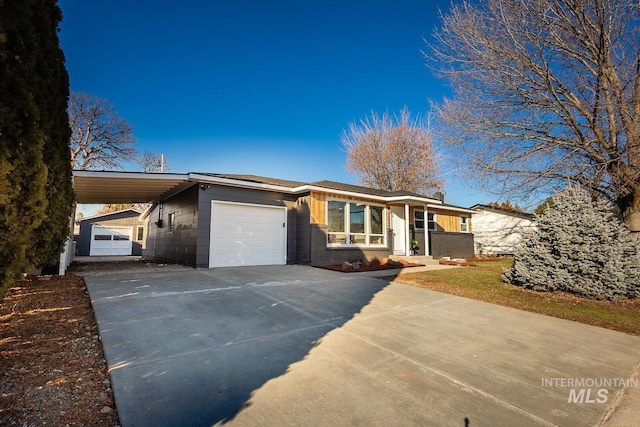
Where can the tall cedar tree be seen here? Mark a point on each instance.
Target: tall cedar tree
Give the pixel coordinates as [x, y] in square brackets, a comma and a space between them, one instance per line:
[36, 195]
[578, 247]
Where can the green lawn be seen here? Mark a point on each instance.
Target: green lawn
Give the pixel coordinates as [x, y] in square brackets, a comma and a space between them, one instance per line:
[484, 283]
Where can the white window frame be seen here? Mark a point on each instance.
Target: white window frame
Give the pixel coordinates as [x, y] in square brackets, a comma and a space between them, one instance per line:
[368, 235]
[432, 225]
[171, 222]
[464, 221]
[415, 219]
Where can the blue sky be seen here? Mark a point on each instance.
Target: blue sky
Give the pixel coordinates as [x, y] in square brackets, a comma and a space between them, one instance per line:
[256, 87]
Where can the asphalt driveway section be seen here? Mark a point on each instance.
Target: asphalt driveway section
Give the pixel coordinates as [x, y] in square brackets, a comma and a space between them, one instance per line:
[304, 346]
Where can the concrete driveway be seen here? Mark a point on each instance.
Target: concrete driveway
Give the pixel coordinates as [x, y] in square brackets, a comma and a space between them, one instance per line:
[303, 346]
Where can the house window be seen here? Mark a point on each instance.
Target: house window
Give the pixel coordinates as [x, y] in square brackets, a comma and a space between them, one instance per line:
[357, 233]
[418, 219]
[464, 224]
[335, 222]
[431, 221]
[172, 222]
[140, 233]
[355, 223]
[376, 224]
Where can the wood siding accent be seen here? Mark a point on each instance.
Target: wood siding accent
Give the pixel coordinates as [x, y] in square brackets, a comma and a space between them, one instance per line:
[318, 208]
[450, 220]
[447, 220]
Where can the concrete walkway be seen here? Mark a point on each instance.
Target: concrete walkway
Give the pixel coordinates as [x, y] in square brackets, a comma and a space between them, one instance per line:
[303, 346]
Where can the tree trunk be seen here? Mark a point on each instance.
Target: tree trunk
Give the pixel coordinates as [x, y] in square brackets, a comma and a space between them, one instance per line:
[631, 217]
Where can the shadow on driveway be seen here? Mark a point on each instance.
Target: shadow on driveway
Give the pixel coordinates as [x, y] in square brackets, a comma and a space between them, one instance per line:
[302, 346]
[188, 347]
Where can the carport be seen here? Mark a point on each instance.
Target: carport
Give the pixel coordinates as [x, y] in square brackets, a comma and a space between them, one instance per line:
[103, 187]
[238, 226]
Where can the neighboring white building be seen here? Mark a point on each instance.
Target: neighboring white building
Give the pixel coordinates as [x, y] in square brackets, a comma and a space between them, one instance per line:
[497, 231]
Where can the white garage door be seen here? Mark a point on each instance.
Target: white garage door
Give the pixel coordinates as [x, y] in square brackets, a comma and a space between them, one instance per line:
[243, 234]
[110, 240]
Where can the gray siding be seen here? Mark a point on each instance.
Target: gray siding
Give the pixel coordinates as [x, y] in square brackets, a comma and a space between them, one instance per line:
[120, 219]
[454, 245]
[243, 195]
[177, 246]
[419, 236]
[303, 231]
[321, 255]
[189, 242]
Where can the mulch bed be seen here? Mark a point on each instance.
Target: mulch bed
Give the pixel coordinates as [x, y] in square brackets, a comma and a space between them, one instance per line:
[372, 266]
[52, 366]
[460, 262]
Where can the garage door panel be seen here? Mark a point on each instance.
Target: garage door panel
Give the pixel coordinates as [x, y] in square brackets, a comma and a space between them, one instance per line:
[244, 234]
[106, 241]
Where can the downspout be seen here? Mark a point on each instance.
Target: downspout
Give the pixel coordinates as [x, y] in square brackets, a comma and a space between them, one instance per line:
[407, 246]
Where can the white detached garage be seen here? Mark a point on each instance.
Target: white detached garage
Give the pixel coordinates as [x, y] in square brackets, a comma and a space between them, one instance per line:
[114, 233]
[247, 234]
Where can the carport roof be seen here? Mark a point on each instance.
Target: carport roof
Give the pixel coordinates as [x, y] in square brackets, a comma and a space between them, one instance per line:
[125, 187]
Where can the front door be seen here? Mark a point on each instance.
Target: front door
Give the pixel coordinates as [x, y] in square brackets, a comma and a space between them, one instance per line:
[399, 233]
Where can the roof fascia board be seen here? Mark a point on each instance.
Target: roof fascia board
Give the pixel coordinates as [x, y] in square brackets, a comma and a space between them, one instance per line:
[106, 214]
[238, 183]
[488, 209]
[147, 211]
[369, 196]
[129, 175]
[452, 208]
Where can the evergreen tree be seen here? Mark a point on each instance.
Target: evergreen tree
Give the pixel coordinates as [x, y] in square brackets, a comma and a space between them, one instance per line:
[35, 177]
[52, 96]
[543, 206]
[578, 247]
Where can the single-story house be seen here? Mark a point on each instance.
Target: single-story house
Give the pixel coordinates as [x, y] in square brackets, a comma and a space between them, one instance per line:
[497, 230]
[214, 220]
[114, 233]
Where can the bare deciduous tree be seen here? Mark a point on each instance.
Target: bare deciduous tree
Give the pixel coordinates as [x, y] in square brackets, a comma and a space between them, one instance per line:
[545, 91]
[100, 137]
[117, 207]
[152, 162]
[392, 153]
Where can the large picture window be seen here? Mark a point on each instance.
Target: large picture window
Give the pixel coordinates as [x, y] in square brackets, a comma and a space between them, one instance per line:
[355, 223]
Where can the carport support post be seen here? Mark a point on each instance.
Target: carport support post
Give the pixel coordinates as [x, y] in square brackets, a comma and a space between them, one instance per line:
[426, 231]
[407, 246]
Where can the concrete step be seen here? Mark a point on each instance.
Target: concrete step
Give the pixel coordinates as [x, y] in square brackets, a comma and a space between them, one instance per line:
[416, 259]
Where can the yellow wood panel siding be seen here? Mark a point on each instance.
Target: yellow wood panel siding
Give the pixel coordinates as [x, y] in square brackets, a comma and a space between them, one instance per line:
[450, 220]
[318, 208]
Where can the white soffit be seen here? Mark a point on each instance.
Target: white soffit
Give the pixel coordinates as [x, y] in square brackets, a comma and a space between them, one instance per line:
[97, 187]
